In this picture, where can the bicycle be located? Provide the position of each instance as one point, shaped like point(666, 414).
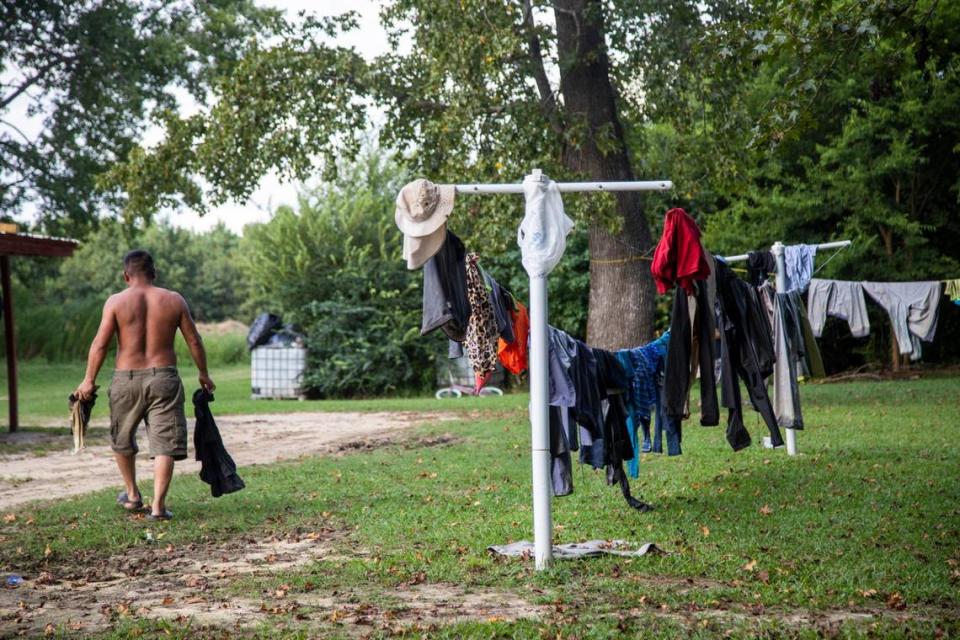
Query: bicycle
point(456, 390)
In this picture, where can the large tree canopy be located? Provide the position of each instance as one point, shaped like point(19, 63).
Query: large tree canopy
point(776, 120)
point(95, 74)
point(487, 91)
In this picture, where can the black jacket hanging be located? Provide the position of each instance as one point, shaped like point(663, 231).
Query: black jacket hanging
point(747, 352)
point(760, 264)
point(217, 467)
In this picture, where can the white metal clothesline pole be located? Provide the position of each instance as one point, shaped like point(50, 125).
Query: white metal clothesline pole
point(777, 251)
point(823, 245)
point(538, 364)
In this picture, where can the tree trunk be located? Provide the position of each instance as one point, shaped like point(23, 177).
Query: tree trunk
point(622, 294)
point(896, 360)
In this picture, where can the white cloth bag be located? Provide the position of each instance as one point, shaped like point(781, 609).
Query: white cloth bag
point(542, 235)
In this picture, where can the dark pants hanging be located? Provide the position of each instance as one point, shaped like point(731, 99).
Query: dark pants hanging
point(676, 384)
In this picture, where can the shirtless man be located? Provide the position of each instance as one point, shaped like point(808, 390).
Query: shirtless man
point(145, 384)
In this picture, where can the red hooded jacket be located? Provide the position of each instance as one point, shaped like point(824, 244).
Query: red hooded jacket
point(678, 258)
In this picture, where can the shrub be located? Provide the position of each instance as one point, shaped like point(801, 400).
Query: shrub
point(333, 267)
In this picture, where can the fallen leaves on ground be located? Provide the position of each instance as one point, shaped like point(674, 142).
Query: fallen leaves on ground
point(895, 601)
point(418, 578)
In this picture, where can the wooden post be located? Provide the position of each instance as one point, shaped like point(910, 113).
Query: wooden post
point(10, 340)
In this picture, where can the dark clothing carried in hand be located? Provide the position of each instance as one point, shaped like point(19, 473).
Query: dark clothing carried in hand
point(217, 467)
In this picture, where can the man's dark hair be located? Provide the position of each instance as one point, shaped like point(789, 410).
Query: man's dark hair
point(139, 262)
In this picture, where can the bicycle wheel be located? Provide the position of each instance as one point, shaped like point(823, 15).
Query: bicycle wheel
point(447, 392)
point(491, 391)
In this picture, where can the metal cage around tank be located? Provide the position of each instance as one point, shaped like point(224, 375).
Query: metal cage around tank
point(276, 372)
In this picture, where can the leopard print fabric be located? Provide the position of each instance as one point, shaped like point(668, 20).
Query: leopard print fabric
point(482, 335)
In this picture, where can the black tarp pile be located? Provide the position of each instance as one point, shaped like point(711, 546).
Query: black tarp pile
point(267, 329)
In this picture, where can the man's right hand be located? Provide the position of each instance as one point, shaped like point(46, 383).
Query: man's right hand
point(206, 383)
point(85, 390)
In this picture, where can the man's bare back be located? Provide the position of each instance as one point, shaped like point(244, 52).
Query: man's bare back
point(147, 318)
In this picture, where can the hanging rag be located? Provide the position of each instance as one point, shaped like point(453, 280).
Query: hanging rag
point(572, 388)
point(788, 345)
point(560, 363)
point(913, 308)
point(746, 350)
point(80, 411)
point(482, 334)
point(798, 264)
point(563, 440)
point(691, 350)
point(813, 361)
point(760, 264)
point(644, 368)
point(542, 235)
point(839, 299)
point(679, 258)
point(445, 302)
point(647, 364)
point(952, 291)
point(513, 355)
point(502, 304)
point(582, 372)
point(611, 443)
point(217, 468)
point(810, 363)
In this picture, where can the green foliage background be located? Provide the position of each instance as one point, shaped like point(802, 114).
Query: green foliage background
point(58, 302)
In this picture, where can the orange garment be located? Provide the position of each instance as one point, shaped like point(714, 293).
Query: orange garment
point(513, 355)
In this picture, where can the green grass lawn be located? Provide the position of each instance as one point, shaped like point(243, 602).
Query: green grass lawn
point(866, 518)
point(44, 388)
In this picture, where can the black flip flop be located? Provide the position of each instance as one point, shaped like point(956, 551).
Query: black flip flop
point(123, 500)
point(163, 517)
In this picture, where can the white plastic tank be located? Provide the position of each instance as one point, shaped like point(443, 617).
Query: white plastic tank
point(276, 372)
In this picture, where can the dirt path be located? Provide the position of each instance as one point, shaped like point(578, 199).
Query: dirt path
point(197, 584)
point(187, 583)
point(256, 439)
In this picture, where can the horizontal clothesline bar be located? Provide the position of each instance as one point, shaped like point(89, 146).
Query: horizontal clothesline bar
point(571, 187)
point(823, 245)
